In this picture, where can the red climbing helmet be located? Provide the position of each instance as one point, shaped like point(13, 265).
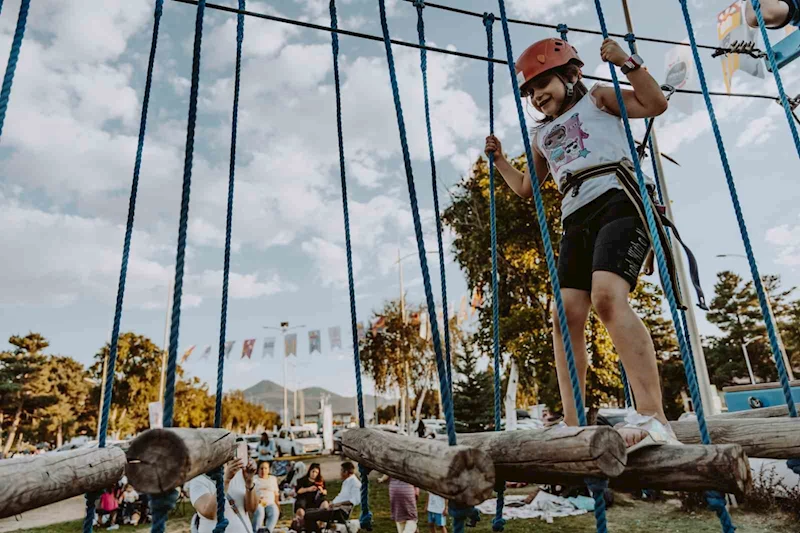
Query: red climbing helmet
point(543, 56)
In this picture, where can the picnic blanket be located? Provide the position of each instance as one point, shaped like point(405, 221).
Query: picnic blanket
point(544, 506)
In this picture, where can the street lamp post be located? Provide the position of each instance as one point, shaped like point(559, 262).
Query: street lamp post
point(781, 347)
point(747, 360)
point(283, 329)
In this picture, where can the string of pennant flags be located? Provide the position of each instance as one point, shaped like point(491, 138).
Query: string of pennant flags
point(466, 311)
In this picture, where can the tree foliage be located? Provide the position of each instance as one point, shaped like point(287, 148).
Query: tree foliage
point(473, 395)
point(51, 398)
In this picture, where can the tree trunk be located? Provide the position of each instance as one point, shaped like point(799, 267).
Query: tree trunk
point(60, 435)
point(12, 433)
point(420, 403)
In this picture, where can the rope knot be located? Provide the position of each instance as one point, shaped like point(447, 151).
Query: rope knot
point(161, 504)
point(794, 464)
point(221, 526)
point(630, 38)
point(419, 4)
point(488, 19)
point(464, 514)
point(498, 524)
point(562, 29)
point(365, 521)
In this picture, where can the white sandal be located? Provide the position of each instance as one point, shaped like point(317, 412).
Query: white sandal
point(657, 433)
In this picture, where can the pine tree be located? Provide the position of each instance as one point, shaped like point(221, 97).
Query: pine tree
point(473, 395)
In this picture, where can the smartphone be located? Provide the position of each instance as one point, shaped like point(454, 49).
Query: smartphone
point(242, 451)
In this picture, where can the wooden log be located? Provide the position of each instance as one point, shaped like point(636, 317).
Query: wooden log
point(765, 412)
point(547, 455)
point(457, 473)
point(689, 468)
point(30, 482)
point(771, 438)
point(160, 460)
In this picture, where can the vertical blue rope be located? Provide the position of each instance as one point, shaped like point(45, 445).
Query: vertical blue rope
point(423, 54)
point(712, 498)
point(594, 485)
point(126, 248)
point(488, 21)
point(447, 400)
point(160, 502)
point(218, 475)
point(444, 386)
point(787, 108)
point(623, 376)
point(366, 516)
point(13, 58)
point(1, 6)
point(540, 215)
point(762, 298)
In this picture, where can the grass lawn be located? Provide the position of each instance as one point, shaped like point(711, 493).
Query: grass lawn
point(625, 517)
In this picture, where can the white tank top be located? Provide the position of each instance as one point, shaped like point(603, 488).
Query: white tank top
point(584, 136)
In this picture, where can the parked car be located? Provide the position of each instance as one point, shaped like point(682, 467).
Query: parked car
point(297, 440)
point(337, 439)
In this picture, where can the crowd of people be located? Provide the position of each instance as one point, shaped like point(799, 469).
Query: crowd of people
point(253, 496)
point(121, 505)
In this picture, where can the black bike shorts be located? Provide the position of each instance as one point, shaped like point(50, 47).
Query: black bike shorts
point(604, 235)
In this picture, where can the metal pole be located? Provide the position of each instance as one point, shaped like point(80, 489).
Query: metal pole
point(749, 367)
point(167, 325)
point(703, 381)
point(284, 327)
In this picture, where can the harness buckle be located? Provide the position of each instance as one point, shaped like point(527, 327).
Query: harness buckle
point(572, 183)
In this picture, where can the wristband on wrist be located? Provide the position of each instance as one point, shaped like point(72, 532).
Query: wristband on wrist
point(634, 62)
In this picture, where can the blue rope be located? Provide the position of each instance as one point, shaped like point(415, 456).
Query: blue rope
point(662, 267)
point(366, 516)
point(218, 475)
point(126, 248)
point(13, 57)
point(423, 54)
point(488, 21)
point(600, 517)
point(88, 519)
point(540, 215)
point(787, 109)
point(563, 29)
point(598, 487)
point(1, 6)
point(444, 385)
point(762, 298)
point(160, 506)
point(623, 376)
point(162, 509)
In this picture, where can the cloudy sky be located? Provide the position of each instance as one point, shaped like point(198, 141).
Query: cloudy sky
point(69, 141)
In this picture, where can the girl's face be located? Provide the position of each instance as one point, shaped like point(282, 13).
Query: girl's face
point(263, 470)
point(546, 93)
point(313, 474)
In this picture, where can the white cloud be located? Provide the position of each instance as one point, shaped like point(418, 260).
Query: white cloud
point(330, 261)
point(787, 239)
point(547, 10)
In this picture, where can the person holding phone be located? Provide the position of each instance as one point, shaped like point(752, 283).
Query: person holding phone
point(241, 498)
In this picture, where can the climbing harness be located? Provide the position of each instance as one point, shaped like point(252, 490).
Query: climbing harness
point(626, 176)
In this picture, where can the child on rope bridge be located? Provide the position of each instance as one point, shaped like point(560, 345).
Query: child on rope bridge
point(604, 242)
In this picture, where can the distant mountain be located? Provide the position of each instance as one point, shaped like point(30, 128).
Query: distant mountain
point(270, 395)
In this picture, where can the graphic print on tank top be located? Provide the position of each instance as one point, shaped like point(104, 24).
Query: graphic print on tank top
point(564, 143)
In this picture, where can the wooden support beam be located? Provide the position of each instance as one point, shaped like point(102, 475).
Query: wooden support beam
point(689, 468)
point(765, 412)
point(160, 460)
point(459, 473)
point(30, 482)
point(547, 455)
point(770, 438)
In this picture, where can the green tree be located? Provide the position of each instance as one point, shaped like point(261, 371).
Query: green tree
point(524, 291)
point(473, 395)
point(393, 354)
point(65, 379)
point(735, 310)
point(21, 394)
